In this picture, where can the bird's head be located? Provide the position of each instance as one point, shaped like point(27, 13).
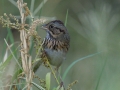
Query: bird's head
point(55, 29)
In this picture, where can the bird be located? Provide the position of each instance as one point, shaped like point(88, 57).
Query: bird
point(56, 43)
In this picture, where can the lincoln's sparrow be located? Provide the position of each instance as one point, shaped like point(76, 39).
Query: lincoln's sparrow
point(56, 43)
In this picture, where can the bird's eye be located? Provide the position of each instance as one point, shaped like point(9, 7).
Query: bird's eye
point(51, 27)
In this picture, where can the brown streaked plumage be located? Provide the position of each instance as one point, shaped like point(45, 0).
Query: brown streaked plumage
point(56, 43)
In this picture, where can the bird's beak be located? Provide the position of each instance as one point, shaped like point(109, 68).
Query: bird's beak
point(44, 27)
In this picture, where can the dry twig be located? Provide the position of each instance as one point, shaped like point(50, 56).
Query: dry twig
point(25, 57)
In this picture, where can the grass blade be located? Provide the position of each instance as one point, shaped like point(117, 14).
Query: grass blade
point(72, 64)
point(41, 10)
point(10, 36)
point(7, 61)
point(48, 81)
point(13, 55)
point(100, 75)
point(66, 18)
point(4, 48)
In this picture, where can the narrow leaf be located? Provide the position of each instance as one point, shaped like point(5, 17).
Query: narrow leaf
point(48, 81)
point(66, 18)
point(72, 64)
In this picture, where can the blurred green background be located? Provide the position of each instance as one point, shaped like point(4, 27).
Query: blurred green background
point(94, 26)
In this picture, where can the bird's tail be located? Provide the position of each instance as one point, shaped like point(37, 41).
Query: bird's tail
point(37, 65)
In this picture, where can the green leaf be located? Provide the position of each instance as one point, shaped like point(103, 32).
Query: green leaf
point(48, 80)
point(66, 18)
point(57, 88)
point(60, 88)
point(7, 61)
point(10, 35)
point(100, 75)
point(4, 47)
point(72, 64)
point(15, 77)
point(14, 55)
point(16, 74)
point(40, 13)
point(11, 38)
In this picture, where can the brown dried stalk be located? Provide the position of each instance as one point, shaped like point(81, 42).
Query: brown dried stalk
point(26, 59)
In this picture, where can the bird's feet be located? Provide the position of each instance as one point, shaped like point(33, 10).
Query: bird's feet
point(62, 87)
